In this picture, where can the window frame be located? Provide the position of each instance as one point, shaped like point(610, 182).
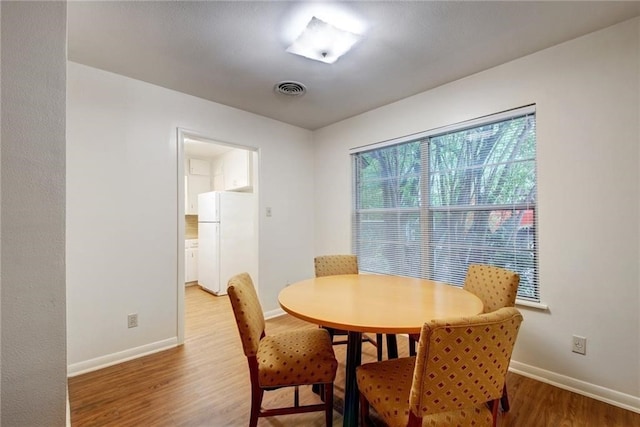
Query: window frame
point(425, 211)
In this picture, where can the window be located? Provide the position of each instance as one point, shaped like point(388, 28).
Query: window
point(431, 204)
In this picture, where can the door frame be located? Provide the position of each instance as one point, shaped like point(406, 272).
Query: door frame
point(183, 134)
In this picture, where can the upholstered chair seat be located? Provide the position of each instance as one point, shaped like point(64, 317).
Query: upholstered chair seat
point(456, 379)
point(295, 358)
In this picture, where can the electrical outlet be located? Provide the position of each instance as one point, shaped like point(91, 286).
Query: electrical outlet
point(132, 320)
point(579, 345)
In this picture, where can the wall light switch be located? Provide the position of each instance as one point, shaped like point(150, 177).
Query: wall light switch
point(579, 345)
point(132, 320)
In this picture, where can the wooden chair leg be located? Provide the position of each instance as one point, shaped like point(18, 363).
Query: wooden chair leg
point(414, 420)
point(364, 411)
point(494, 411)
point(319, 389)
point(256, 403)
point(504, 400)
point(379, 346)
point(328, 401)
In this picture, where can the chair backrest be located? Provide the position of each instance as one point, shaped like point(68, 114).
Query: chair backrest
point(462, 363)
point(331, 265)
point(495, 286)
point(248, 312)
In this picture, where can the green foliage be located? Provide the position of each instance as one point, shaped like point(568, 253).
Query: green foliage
point(480, 184)
point(389, 177)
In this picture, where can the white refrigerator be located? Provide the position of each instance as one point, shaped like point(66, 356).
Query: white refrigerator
point(227, 238)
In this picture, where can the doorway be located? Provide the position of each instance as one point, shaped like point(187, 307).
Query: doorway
point(207, 165)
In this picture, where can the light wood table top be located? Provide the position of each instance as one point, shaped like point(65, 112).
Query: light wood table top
point(376, 303)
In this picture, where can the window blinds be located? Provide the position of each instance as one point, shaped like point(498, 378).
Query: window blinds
point(431, 205)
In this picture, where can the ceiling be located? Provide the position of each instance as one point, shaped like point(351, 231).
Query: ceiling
point(233, 52)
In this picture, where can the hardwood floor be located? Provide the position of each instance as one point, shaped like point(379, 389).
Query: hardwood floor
point(206, 383)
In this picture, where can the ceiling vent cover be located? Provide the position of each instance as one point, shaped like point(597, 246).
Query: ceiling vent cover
point(290, 88)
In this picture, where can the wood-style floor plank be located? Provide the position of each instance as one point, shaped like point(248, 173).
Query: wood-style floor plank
point(206, 383)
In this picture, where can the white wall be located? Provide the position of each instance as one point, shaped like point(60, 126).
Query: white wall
point(122, 209)
point(33, 376)
point(587, 97)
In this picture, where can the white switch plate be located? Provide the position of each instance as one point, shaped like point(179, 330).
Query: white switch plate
point(579, 345)
point(132, 320)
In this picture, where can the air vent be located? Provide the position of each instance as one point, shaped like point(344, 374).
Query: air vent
point(290, 88)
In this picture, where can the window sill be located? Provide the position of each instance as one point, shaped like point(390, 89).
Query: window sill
point(531, 304)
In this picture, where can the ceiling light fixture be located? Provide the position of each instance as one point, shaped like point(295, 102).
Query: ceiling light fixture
point(323, 42)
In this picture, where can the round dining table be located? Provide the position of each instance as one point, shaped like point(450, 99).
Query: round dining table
point(373, 303)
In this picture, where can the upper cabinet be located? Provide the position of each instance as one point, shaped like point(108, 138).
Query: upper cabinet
point(199, 167)
point(197, 180)
point(196, 184)
point(237, 167)
point(231, 170)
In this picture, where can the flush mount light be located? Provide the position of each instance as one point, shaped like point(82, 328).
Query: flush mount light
point(323, 42)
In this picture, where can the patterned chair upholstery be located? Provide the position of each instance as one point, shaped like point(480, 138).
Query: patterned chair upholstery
point(333, 265)
point(497, 288)
point(460, 366)
point(286, 359)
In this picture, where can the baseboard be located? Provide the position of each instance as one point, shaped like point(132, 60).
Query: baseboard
point(622, 400)
point(122, 356)
point(274, 313)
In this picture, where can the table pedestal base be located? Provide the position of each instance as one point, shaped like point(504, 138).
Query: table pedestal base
point(351, 398)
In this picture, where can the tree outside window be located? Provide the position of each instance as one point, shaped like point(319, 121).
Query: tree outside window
point(431, 206)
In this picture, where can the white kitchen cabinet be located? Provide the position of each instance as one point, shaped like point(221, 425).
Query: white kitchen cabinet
point(217, 174)
point(237, 166)
point(199, 167)
point(191, 261)
point(196, 184)
point(191, 265)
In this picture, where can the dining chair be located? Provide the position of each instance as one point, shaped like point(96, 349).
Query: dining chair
point(286, 359)
point(496, 287)
point(456, 378)
point(332, 265)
